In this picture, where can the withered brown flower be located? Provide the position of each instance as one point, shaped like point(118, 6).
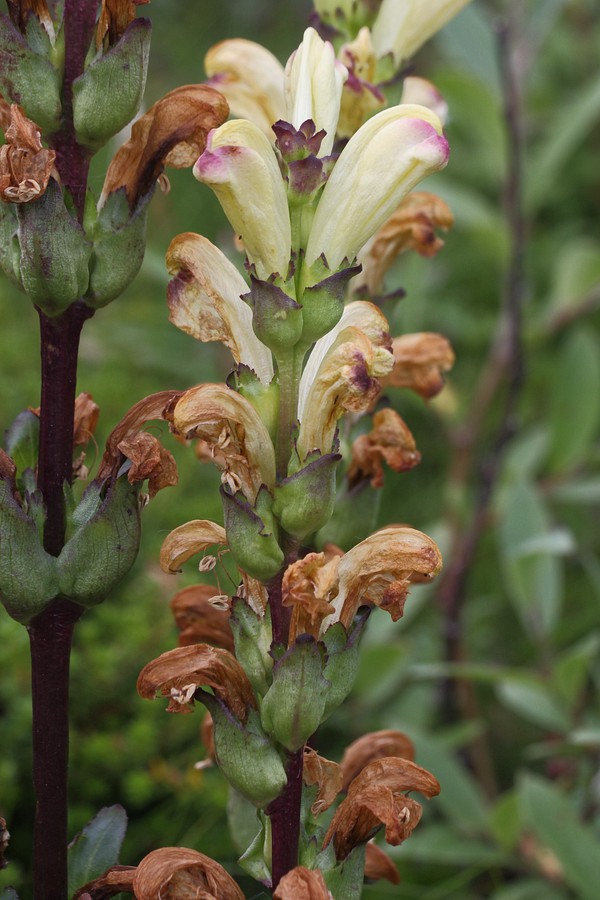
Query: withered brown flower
point(324, 773)
point(412, 227)
point(198, 620)
point(378, 865)
point(374, 745)
point(116, 880)
point(308, 587)
point(389, 440)
point(187, 540)
point(419, 363)
point(178, 673)
point(302, 884)
point(149, 460)
point(172, 133)
point(176, 873)
point(25, 165)
point(376, 797)
point(115, 16)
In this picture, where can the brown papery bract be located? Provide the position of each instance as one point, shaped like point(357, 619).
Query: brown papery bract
point(187, 540)
point(324, 773)
point(420, 361)
point(374, 745)
point(198, 620)
point(176, 873)
point(149, 460)
point(389, 440)
point(376, 797)
point(179, 673)
point(302, 884)
point(172, 133)
point(25, 166)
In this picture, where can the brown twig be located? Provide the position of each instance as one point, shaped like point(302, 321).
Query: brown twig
point(503, 371)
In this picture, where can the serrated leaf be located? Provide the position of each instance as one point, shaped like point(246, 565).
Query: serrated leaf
point(96, 848)
point(552, 818)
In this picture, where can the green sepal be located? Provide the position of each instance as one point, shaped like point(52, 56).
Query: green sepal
point(101, 110)
point(354, 517)
point(29, 78)
point(242, 819)
point(293, 706)
point(55, 252)
point(256, 859)
point(10, 252)
point(304, 501)
point(104, 545)
point(342, 654)
point(22, 440)
point(346, 879)
point(276, 317)
point(28, 575)
point(323, 302)
point(264, 398)
point(244, 753)
point(119, 244)
point(252, 533)
point(252, 635)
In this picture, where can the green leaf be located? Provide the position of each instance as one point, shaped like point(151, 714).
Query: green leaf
point(532, 573)
point(552, 818)
point(576, 275)
point(530, 889)
point(574, 400)
point(571, 671)
point(536, 703)
point(443, 845)
point(22, 440)
point(96, 848)
point(505, 820)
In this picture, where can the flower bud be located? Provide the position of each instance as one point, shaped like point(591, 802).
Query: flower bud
point(304, 501)
point(293, 707)
point(100, 111)
point(245, 755)
point(251, 533)
point(55, 252)
point(29, 78)
point(402, 26)
point(105, 543)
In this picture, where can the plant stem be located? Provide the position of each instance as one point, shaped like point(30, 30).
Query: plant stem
point(51, 633)
point(284, 813)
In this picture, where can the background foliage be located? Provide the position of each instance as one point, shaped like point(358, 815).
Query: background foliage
point(499, 690)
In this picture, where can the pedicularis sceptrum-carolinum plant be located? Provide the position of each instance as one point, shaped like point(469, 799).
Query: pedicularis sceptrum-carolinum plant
point(315, 178)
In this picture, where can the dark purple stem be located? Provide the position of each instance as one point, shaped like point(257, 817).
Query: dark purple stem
point(284, 813)
point(51, 633)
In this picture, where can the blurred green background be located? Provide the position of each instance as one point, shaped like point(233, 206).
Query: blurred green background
point(510, 724)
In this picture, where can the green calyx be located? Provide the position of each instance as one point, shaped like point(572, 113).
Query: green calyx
point(276, 317)
point(252, 635)
point(323, 300)
point(27, 77)
point(99, 110)
point(304, 501)
point(252, 533)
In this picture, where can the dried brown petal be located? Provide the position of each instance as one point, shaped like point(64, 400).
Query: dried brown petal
point(149, 460)
point(381, 569)
point(151, 407)
point(302, 884)
point(178, 673)
point(389, 440)
point(116, 880)
point(378, 865)
point(172, 133)
point(25, 166)
point(419, 363)
point(114, 18)
point(326, 774)
point(198, 621)
point(412, 227)
point(187, 540)
point(8, 468)
point(176, 873)
point(308, 587)
point(86, 419)
point(374, 745)
point(376, 798)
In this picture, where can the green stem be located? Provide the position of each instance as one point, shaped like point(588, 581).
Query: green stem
point(289, 368)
